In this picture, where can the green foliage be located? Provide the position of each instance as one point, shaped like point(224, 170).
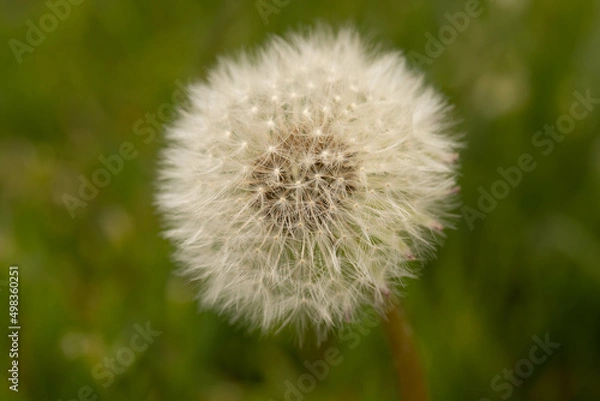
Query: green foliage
point(100, 79)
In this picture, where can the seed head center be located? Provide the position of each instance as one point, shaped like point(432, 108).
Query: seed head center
point(296, 183)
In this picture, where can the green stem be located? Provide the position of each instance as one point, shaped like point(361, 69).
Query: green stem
point(406, 358)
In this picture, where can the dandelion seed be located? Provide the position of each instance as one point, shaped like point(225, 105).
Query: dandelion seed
point(331, 206)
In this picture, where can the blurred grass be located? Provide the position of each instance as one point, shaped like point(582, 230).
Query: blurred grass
point(531, 267)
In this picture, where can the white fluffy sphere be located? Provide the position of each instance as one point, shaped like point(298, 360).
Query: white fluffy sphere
point(301, 180)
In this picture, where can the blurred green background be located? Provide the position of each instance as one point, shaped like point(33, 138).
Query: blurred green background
point(530, 268)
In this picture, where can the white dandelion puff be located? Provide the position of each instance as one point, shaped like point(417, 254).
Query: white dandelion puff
point(301, 180)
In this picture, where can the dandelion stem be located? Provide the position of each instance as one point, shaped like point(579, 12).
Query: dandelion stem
point(411, 379)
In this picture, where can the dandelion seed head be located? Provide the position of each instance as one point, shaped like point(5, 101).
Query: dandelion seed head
point(321, 196)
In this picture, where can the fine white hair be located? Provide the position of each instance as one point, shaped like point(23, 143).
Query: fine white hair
point(302, 179)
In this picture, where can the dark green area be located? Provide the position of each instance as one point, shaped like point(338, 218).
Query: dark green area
point(531, 267)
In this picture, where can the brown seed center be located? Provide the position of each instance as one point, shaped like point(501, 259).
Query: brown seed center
point(302, 180)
